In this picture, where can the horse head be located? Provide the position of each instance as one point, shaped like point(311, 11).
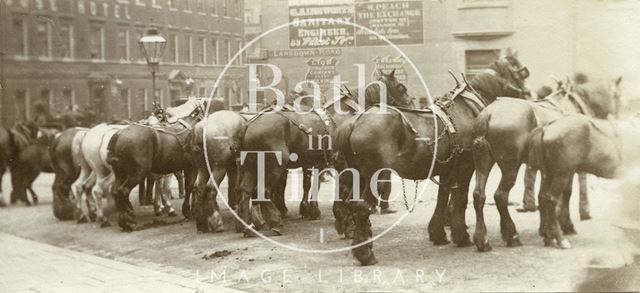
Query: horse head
point(514, 74)
point(396, 91)
point(603, 98)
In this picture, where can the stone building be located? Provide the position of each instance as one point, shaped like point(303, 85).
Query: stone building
point(61, 53)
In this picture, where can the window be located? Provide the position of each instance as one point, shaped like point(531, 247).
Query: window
point(224, 7)
point(141, 3)
point(214, 52)
point(478, 60)
point(239, 60)
point(142, 99)
point(123, 44)
point(173, 48)
point(202, 51)
point(20, 34)
point(96, 43)
point(154, 4)
point(125, 104)
point(213, 7)
point(203, 92)
point(67, 98)
point(227, 45)
point(200, 6)
point(172, 4)
point(43, 29)
point(22, 101)
point(236, 8)
point(187, 5)
point(139, 35)
point(188, 49)
point(45, 100)
point(66, 39)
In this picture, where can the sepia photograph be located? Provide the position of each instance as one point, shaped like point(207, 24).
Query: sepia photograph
point(319, 146)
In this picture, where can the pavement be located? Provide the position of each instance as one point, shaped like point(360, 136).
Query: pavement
point(29, 266)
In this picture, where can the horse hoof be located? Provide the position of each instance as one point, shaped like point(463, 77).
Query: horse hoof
point(386, 211)
point(82, 219)
point(585, 217)
point(569, 231)
point(93, 217)
point(371, 260)
point(440, 242)
point(157, 213)
point(172, 213)
point(564, 244)
point(105, 224)
point(464, 243)
point(514, 242)
point(484, 246)
point(548, 242)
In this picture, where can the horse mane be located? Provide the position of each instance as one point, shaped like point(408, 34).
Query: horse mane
point(598, 96)
point(488, 86)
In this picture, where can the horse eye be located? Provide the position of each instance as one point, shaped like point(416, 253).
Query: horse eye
point(401, 88)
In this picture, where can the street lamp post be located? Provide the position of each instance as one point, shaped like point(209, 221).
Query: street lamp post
point(152, 46)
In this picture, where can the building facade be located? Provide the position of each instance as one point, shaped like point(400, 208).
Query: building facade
point(553, 38)
point(61, 53)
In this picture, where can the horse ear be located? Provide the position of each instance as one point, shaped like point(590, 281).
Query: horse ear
point(618, 80)
point(381, 72)
point(393, 72)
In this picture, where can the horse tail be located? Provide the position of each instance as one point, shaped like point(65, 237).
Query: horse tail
point(343, 137)
point(534, 149)
point(111, 149)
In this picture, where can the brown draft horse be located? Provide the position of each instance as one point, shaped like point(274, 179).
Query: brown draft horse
point(138, 151)
point(571, 144)
point(287, 133)
point(66, 169)
point(29, 157)
point(500, 135)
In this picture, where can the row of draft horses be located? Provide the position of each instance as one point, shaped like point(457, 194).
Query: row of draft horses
point(475, 130)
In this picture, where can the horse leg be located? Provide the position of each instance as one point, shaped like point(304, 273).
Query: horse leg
point(213, 217)
point(463, 174)
point(190, 175)
point(384, 188)
point(437, 235)
point(77, 190)
point(557, 184)
point(148, 198)
point(277, 196)
point(507, 227)
point(180, 177)
point(584, 197)
point(34, 195)
point(361, 211)
point(232, 192)
point(142, 191)
point(309, 207)
point(166, 195)
point(483, 162)
point(344, 221)
point(122, 188)
point(99, 190)
point(157, 196)
point(565, 216)
point(528, 200)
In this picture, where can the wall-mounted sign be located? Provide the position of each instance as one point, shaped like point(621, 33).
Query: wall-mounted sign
point(305, 53)
point(315, 26)
point(400, 22)
point(388, 64)
point(322, 71)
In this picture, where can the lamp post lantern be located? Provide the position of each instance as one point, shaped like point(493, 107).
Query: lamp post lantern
point(152, 46)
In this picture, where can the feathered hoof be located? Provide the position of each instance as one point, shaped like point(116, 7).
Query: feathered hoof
point(514, 241)
point(571, 230)
point(484, 246)
point(564, 244)
point(105, 224)
point(585, 217)
point(367, 259)
point(439, 241)
point(83, 219)
point(172, 213)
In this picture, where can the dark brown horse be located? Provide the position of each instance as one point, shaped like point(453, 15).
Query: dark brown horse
point(500, 135)
point(404, 142)
point(22, 135)
point(138, 151)
point(291, 138)
point(29, 162)
point(66, 170)
point(571, 144)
